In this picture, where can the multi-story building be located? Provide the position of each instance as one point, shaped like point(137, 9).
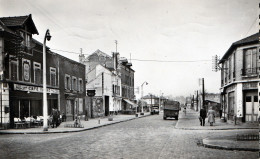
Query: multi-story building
point(119, 80)
point(240, 77)
point(22, 77)
point(107, 85)
point(127, 82)
point(103, 76)
point(151, 101)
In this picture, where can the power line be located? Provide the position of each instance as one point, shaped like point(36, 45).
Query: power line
point(71, 52)
point(251, 25)
point(143, 60)
point(171, 61)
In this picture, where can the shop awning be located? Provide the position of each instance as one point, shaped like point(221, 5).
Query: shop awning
point(131, 103)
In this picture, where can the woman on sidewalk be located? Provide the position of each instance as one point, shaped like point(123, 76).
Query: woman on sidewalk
point(211, 116)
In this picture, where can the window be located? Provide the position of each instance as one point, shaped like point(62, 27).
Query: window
point(80, 85)
point(250, 61)
point(74, 83)
point(26, 64)
point(229, 67)
point(13, 73)
point(22, 35)
point(37, 73)
point(67, 82)
point(26, 39)
point(52, 76)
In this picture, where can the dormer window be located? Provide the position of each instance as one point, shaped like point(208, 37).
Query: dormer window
point(26, 39)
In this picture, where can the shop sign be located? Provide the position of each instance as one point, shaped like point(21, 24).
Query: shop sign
point(251, 85)
point(91, 93)
point(26, 73)
point(25, 88)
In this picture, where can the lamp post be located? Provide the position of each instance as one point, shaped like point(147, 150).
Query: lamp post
point(45, 108)
point(142, 112)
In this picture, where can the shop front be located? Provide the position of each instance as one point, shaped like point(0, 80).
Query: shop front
point(26, 101)
point(74, 106)
point(251, 104)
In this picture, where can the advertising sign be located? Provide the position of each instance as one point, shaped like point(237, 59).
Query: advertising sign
point(26, 71)
point(20, 87)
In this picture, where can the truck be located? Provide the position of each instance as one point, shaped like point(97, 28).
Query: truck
point(155, 109)
point(171, 109)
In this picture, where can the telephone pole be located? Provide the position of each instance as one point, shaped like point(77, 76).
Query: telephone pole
point(203, 94)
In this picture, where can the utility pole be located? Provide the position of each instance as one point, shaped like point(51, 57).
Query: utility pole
point(116, 45)
point(197, 99)
point(193, 101)
point(203, 94)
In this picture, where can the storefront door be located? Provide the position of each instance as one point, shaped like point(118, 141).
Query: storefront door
point(251, 103)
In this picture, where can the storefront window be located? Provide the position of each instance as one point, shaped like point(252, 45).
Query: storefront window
point(231, 103)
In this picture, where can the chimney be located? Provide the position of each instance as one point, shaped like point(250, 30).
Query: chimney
point(115, 60)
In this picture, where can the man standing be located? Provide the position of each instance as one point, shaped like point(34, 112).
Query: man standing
point(203, 115)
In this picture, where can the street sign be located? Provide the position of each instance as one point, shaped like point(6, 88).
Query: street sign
point(91, 93)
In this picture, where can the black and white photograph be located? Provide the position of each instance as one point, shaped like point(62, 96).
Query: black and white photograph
point(129, 79)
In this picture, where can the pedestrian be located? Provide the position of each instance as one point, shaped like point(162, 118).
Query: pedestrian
point(203, 115)
point(184, 111)
point(220, 113)
point(63, 117)
point(211, 116)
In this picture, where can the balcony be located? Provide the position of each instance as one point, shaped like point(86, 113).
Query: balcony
point(249, 72)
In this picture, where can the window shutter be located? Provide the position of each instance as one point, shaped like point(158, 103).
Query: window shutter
point(65, 81)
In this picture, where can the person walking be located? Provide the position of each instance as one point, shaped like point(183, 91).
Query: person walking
point(211, 116)
point(203, 114)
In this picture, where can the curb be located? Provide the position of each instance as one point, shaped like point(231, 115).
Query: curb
point(228, 148)
point(213, 128)
point(72, 131)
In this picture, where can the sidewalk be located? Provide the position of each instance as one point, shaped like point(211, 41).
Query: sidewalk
point(190, 121)
point(88, 125)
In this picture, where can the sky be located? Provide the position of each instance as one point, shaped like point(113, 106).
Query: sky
point(170, 42)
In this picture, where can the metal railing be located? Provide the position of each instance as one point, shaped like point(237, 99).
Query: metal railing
point(249, 71)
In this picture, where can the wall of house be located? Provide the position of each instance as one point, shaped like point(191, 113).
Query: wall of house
point(75, 97)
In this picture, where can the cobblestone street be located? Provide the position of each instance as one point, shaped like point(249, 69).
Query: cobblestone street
point(149, 137)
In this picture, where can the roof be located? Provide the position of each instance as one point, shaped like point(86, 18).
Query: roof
point(100, 53)
point(19, 21)
point(150, 96)
point(252, 39)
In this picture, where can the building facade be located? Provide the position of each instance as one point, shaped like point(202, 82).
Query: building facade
point(103, 75)
point(22, 75)
point(107, 85)
point(127, 82)
point(240, 77)
point(151, 101)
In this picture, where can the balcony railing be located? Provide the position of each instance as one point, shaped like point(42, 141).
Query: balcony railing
point(249, 71)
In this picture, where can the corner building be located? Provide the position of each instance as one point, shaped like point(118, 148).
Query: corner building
point(240, 80)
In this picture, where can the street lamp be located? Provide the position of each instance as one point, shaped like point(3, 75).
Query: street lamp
point(142, 112)
point(45, 108)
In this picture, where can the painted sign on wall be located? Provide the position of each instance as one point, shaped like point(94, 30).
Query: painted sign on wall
point(20, 87)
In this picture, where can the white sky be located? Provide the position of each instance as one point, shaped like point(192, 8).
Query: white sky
point(173, 30)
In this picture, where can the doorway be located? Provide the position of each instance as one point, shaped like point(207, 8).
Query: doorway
point(251, 106)
point(106, 105)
